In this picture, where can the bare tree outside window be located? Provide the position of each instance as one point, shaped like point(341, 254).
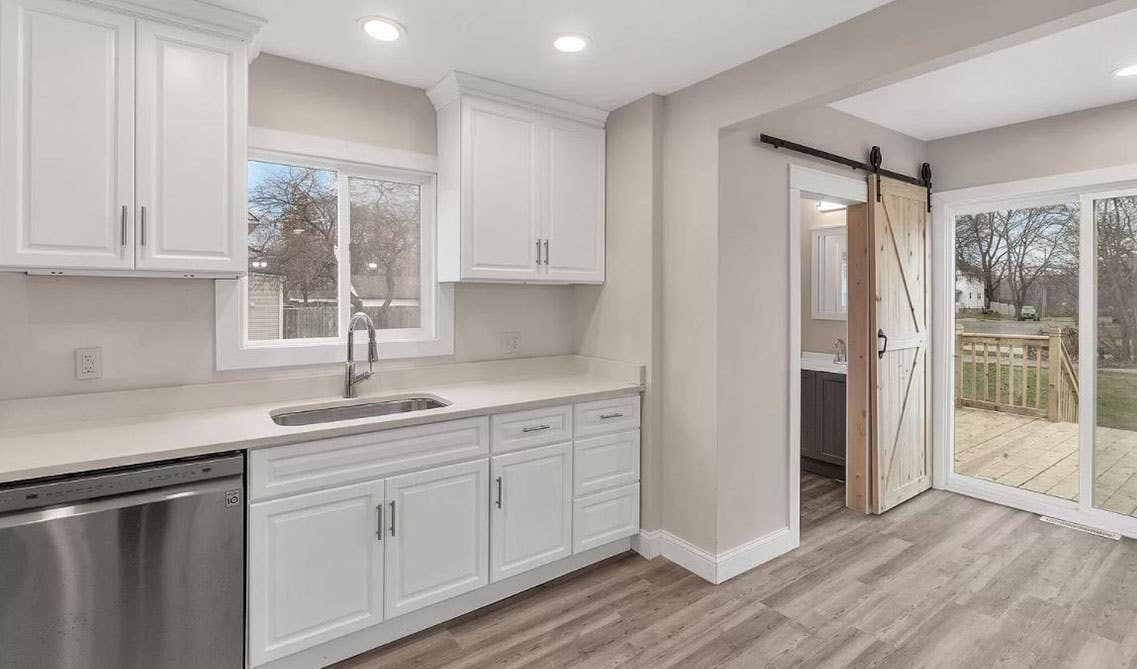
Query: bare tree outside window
point(385, 252)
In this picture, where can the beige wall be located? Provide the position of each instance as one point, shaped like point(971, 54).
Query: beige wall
point(620, 319)
point(817, 335)
point(159, 332)
point(1085, 140)
point(724, 358)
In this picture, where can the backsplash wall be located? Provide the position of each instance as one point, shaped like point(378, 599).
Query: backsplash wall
point(160, 332)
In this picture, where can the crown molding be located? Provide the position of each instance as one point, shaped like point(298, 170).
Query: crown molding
point(195, 14)
point(460, 84)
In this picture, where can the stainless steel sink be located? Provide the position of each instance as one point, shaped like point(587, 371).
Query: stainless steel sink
point(328, 413)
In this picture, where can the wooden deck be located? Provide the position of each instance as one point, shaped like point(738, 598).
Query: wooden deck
point(1035, 454)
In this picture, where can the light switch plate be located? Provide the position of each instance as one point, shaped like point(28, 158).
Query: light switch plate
point(510, 342)
point(88, 363)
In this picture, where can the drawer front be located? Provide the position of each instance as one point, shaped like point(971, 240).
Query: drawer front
point(536, 427)
point(609, 461)
point(605, 517)
point(617, 414)
point(286, 470)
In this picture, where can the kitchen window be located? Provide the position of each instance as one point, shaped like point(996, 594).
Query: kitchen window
point(328, 237)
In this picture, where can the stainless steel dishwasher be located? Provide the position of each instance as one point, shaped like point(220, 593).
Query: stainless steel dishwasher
point(138, 568)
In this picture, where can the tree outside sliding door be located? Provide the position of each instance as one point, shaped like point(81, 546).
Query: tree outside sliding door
point(1016, 381)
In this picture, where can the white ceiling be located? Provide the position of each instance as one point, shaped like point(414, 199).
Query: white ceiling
point(1060, 73)
point(638, 46)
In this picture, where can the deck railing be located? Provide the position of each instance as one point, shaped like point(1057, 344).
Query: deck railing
point(1031, 375)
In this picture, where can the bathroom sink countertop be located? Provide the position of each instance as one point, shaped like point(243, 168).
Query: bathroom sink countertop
point(63, 448)
point(822, 362)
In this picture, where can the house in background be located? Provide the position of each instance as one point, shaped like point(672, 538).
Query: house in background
point(968, 291)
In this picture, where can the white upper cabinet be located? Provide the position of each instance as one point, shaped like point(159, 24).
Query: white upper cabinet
point(122, 137)
point(66, 135)
point(520, 185)
point(191, 151)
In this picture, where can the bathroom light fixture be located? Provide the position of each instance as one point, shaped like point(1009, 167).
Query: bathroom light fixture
point(570, 43)
point(824, 206)
point(1127, 71)
point(382, 29)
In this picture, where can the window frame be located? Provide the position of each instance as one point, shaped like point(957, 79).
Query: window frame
point(349, 160)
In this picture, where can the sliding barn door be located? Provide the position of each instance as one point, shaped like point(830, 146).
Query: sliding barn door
point(899, 378)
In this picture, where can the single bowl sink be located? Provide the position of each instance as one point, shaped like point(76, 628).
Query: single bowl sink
point(349, 410)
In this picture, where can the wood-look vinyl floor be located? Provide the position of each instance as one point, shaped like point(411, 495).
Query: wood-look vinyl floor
point(943, 580)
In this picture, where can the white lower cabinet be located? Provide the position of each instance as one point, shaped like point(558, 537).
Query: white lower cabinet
point(316, 568)
point(437, 544)
point(531, 515)
point(605, 516)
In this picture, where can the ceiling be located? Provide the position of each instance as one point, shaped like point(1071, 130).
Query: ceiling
point(1060, 73)
point(638, 46)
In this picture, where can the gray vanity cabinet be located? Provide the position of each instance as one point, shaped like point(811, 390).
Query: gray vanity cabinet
point(823, 423)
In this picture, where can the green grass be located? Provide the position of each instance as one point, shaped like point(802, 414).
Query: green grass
point(1117, 393)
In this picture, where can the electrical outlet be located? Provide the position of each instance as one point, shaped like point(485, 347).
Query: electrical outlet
point(510, 343)
point(89, 363)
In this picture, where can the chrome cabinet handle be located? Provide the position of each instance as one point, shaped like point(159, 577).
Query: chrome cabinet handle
point(392, 517)
point(499, 492)
point(142, 226)
point(538, 252)
point(546, 253)
point(535, 428)
point(124, 210)
point(611, 415)
point(379, 528)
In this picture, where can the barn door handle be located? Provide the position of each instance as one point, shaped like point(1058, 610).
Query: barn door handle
point(884, 344)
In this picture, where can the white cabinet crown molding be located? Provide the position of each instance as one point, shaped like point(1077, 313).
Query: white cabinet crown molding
point(457, 84)
point(203, 16)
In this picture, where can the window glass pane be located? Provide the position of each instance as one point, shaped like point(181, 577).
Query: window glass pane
point(1115, 436)
point(1016, 348)
point(292, 252)
point(385, 253)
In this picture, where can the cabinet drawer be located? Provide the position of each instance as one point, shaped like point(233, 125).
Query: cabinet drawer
point(536, 427)
point(616, 414)
point(286, 470)
point(609, 461)
point(605, 517)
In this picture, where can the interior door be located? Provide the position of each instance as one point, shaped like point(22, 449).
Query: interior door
point(437, 535)
point(316, 568)
point(531, 515)
point(66, 136)
point(191, 151)
point(574, 202)
point(899, 258)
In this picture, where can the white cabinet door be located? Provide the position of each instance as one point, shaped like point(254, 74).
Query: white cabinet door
point(531, 517)
point(574, 202)
point(66, 136)
point(315, 568)
point(191, 151)
point(605, 517)
point(501, 223)
point(437, 541)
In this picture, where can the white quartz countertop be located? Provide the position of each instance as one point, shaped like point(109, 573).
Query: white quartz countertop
point(59, 448)
point(822, 362)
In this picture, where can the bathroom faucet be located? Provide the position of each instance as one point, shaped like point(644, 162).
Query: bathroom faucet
point(372, 353)
point(841, 352)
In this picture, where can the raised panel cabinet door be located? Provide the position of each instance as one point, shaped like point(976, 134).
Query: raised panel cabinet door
point(66, 136)
point(191, 151)
point(574, 202)
point(437, 535)
point(315, 568)
point(531, 512)
point(809, 447)
point(831, 418)
point(500, 226)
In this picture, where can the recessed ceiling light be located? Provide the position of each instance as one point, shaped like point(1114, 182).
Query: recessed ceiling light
point(382, 29)
point(571, 43)
point(1127, 71)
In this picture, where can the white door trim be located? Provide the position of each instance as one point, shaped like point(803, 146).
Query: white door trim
point(805, 182)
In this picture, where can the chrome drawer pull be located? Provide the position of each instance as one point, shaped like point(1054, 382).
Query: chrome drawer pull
point(611, 415)
point(535, 428)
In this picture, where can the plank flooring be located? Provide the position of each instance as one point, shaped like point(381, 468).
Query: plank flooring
point(1035, 454)
point(941, 581)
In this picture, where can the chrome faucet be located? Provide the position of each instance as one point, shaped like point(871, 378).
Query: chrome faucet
point(840, 352)
point(372, 353)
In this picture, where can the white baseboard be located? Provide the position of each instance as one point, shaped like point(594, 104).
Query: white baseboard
point(730, 563)
point(646, 543)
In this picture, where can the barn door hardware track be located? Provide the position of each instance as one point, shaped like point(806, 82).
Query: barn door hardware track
point(873, 167)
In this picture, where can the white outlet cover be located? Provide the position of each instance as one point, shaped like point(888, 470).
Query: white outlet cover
point(510, 342)
point(88, 363)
